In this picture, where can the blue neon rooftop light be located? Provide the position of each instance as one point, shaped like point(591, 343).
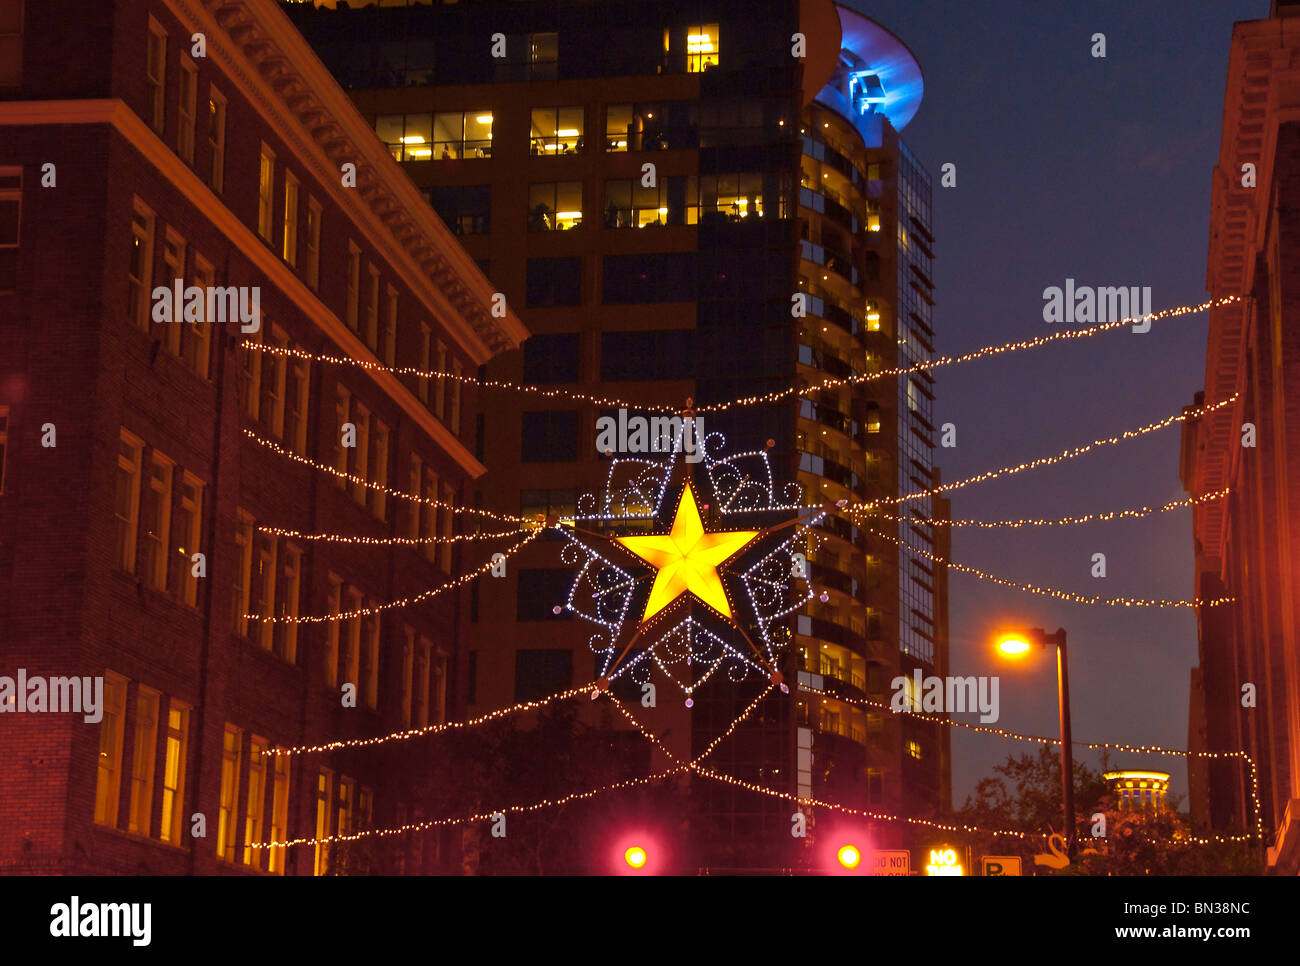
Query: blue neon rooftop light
point(884, 76)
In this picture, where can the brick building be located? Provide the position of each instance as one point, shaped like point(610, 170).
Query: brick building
point(144, 141)
point(774, 175)
point(1246, 544)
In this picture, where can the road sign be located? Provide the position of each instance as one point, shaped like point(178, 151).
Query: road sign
point(890, 862)
point(1000, 865)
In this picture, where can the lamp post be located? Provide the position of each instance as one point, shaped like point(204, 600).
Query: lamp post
point(1017, 644)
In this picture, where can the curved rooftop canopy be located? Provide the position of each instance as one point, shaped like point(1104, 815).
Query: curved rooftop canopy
point(877, 73)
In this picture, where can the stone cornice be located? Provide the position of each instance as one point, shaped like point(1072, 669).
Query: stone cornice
point(261, 51)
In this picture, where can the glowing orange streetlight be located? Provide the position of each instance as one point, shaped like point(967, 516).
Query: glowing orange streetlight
point(1017, 644)
point(849, 856)
point(635, 857)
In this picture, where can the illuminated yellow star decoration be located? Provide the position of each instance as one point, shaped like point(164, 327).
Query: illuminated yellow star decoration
point(687, 559)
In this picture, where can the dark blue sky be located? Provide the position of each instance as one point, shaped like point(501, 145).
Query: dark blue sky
point(1099, 170)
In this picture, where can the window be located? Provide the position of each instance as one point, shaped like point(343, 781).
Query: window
point(347, 791)
point(429, 518)
point(284, 634)
point(254, 821)
point(155, 513)
point(274, 372)
point(261, 588)
point(653, 354)
point(188, 536)
point(462, 134)
point(873, 418)
point(216, 138)
point(914, 749)
point(388, 327)
point(540, 590)
point(551, 358)
point(465, 209)
point(361, 452)
point(649, 278)
point(108, 780)
point(354, 285)
point(549, 436)
point(446, 526)
point(350, 658)
point(4, 444)
point(455, 386)
point(368, 671)
point(330, 657)
point(537, 505)
point(279, 811)
point(126, 500)
point(173, 803)
point(413, 504)
point(543, 56)
point(372, 307)
point(196, 337)
point(289, 240)
point(425, 363)
point(11, 43)
point(312, 267)
point(156, 73)
point(542, 672)
point(296, 404)
point(630, 205)
point(324, 801)
point(11, 203)
point(554, 206)
point(243, 572)
point(265, 191)
point(729, 198)
point(228, 804)
point(440, 393)
point(342, 415)
point(701, 47)
point(408, 137)
point(250, 382)
point(173, 271)
point(408, 672)
point(140, 268)
point(553, 282)
point(187, 109)
point(556, 131)
point(651, 126)
point(376, 471)
point(144, 761)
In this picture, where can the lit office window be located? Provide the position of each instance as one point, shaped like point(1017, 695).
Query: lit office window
point(462, 134)
point(701, 47)
point(289, 242)
point(628, 204)
point(254, 821)
point(279, 812)
point(554, 206)
point(324, 801)
point(556, 130)
point(408, 137)
point(173, 803)
point(227, 805)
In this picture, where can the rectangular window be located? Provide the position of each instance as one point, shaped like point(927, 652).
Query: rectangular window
point(447, 524)
point(554, 206)
point(464, 209)
point(216, 138)
point(553, 282)
point(628, 204)
point(155, 517)
point(187, 109)
point(549, 436)
point(377, 470)
point(342, 415)
point(254, 822)
point(361, 452)
point(556, 131)
point(196, 337)
point(156, 73)
point(543, 56)
point(140, 268)
point(454, 389)
point(701, 47)
point(429, 520)
point(346, 803)
point(372, 308)
point(178, 742)
point(265, 192)
point(228, 804)
point(540, 589)
point(542, 672)
point(330, 658)
point(108, 781)
point(426, 349)
point(11, 43)
point(408, 137)
point(422, 684)
point(126, 500)
point(289, 239)
point(413, 504)
point(324, 803)
point(261, 588)
point(440, 391)
point(279, 812)
point(188, 537)
point(312, 267)
point(243, 572)
point(284, 635)
point(275, 373)
point(408, 672)
point(350, 659)
point(173, 270)
point(354, 285)
point(551, 358)
point(250, 382)
point(462, 134)
point(144, 761)
point(649, 278)
point(11, 205)
point(644, 355)
point(368, 673)
point(388, 330)
point(296, 404)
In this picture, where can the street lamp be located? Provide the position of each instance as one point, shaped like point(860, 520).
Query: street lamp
point(1018, 644)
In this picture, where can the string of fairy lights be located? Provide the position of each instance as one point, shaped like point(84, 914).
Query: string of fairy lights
point(373, 365)
point(1257, 811)
point(1066, 521)
point(1189, 413)
point(300, 536)
point(1053, 592)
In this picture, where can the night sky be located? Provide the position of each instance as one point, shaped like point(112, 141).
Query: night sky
point(1099, 170)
